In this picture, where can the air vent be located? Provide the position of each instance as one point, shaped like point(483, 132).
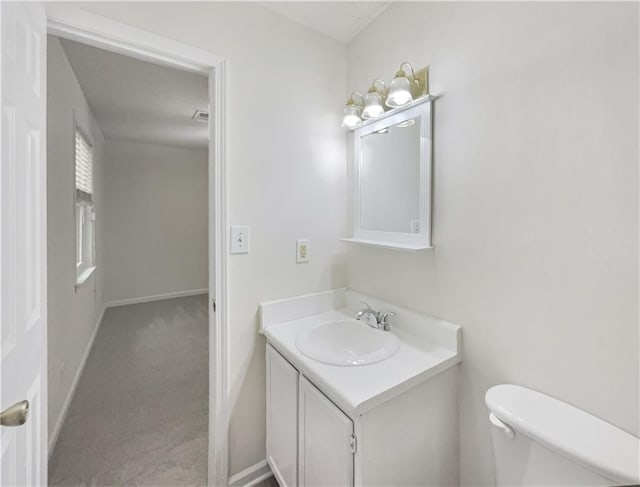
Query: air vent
point(200, 116)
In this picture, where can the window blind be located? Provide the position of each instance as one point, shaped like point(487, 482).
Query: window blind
point(84, 169)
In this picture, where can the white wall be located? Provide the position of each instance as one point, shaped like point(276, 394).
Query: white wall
point(156, 220)
point(73, 314)
point(536, 199)
point(287, 170)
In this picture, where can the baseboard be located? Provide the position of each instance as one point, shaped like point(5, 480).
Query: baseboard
point(156, 297)
point(67, 402)
point(251, 476)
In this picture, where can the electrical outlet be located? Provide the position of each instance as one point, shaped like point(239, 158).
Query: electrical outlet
point(415, 226)
point(302, 251)
point(239, 239)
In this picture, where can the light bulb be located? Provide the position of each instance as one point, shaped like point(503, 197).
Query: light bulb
point(372, 105)
point(351, 116)
point(399, 91)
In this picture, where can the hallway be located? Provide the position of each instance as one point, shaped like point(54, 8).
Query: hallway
point(139, 414)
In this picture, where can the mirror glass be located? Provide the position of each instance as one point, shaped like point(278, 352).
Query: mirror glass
point(390, 178)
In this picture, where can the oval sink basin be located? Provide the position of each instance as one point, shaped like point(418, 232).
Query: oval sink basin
point(347, 343)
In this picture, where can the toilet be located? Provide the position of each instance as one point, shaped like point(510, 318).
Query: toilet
point(541, 441)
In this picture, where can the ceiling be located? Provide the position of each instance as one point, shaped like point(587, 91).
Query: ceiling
point(339, 20)
point(137, 100)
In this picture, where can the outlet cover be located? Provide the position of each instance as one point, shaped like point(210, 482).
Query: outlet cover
point(302, 251)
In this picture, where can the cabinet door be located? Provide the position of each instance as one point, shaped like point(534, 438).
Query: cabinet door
point(325, 439)
point(282, 418)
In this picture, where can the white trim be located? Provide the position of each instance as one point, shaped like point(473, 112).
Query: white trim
point(251, 476)
point(257, 480)
point(218, 281)
point(155, 297)
point(67, 402)
point(72, 23)
point(82, 278)
point(274, 467)
point(388, 245)
point(393, 111)
point(88, 28)
point(423, 109)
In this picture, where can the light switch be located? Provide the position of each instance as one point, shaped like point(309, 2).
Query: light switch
point(302, 251)
point(239, 239)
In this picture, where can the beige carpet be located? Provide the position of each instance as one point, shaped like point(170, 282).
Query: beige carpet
point(139, 415)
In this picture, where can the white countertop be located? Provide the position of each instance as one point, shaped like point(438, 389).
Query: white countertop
point(427, 347)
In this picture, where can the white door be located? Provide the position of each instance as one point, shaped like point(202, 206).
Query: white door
point(282, 418)
point(23, 240)
point(325, 441)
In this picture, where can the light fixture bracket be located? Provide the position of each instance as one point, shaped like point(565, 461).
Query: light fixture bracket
point(351, 101)
point(419, 83)
point(384, 91)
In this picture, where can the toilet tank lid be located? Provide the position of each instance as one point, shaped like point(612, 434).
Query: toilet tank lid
point(568, 430)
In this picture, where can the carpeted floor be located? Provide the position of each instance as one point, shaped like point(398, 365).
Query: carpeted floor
point(270, 482)
point(139, 414)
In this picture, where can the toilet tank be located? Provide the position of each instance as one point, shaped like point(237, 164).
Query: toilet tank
point(538, 440)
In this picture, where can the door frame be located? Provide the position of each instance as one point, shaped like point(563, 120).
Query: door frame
point(88, 28)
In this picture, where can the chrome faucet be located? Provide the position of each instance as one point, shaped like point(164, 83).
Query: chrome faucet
point(374, 318)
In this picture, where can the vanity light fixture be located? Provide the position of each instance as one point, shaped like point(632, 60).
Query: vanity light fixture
point(373, 102)
point(352, 111)
point(403, 88)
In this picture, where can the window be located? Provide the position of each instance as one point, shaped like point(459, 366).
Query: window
point(84, 209)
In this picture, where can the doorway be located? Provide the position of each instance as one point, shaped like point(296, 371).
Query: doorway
point(24, 450)
point(127, 386)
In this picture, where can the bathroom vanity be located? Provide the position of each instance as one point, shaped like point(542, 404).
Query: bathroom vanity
point(387, 415)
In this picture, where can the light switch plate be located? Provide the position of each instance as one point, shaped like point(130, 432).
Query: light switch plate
point(302, 251)
point(239, 239)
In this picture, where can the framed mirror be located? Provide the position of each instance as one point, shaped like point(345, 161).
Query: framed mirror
point(392, 186)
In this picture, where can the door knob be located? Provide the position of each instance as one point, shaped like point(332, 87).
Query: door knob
point(15, 415)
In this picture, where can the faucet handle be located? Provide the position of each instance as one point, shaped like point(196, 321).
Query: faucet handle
point(384, 319)
point(366, 305)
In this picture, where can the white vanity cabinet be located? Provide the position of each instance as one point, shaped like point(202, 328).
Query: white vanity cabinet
point(282, 418)
point(389, 423)
point(408, 440)
point(325, 439)
point(309, 440)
